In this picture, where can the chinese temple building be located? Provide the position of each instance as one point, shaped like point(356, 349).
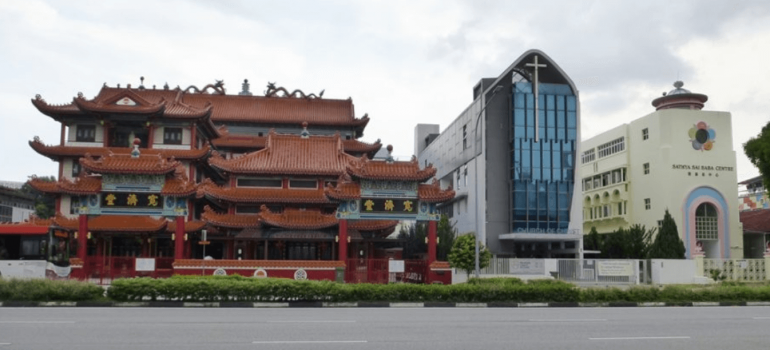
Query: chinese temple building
point(189, 181)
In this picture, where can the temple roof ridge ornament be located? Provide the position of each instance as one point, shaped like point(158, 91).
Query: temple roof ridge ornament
point(273, 91)
point(218, 88)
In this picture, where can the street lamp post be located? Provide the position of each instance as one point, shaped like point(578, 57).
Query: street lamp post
point(478, 144)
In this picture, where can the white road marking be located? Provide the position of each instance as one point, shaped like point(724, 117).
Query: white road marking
point(321, 321)
point(308, 341)
point(571, 320)
point(638, 338)
point(36, 322)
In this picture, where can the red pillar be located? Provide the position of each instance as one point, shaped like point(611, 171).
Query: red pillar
point(179, 238)
point(431, 242)
point(343, 236)
point(82, 236)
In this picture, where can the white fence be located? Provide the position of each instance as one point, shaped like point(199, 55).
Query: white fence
point(626, 272)
point(741, 270)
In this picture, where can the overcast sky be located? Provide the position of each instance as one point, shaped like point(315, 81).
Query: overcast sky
point(402, 62)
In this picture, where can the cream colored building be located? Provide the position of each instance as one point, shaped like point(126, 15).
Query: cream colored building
point(679, 158)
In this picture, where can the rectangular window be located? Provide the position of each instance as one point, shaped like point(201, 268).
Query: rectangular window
point(588, 156)
point(612, 147)
point(259, 183)
point(645, 134)
point(85, 133)
point(606, 211)
point(646, 168)
point(75, 204)
point(172, 136)
point(75, 168)
point(620, 208)
point(295, 183)
point(465, 136)
point(647, 205)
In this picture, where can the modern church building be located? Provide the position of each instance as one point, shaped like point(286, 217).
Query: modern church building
point(514, 169)
point(679, 158)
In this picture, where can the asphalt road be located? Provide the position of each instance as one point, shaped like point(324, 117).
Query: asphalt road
point(678, 328)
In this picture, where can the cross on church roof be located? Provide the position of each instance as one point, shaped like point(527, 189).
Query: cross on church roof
point(535, 65)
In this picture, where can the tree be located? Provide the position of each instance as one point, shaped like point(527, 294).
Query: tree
point(45, 205)
point(637, 241)
point(414, 236)
point(446, 233)
point(614, 246)
point(667, 244)
point(592, 240)
point(757, 149)
point(463, 254)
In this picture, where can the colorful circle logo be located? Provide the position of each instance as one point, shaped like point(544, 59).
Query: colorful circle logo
point(702, 137)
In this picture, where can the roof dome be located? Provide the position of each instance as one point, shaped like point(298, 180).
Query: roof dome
point(679, 90)
point(680, 98)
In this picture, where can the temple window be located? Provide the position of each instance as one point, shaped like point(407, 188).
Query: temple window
point(85, 133)
point(75, 168)
point(296, 183)
point(172, 136)
point(706, 222)
point(276, 183)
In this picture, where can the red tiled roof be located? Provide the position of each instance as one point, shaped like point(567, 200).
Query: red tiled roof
point(229, 220)
point(290, 155)
point(344, 190)
point(54, 152)
point(81, 185)
point(298, 219)
point(240, 141)
point(253, 142)
point(189, 226)
point(175, 186)
point(262, 195)
point(114, 223)
point(125, 164)
point(439, 265)
point(756, 221)
point(372, 225)
point(223, 108)
point(44, 186)
point(383, 170)
point(142, 106)
point(179, 187)
point(355, 146)
point(433, 193)
point(33, 226)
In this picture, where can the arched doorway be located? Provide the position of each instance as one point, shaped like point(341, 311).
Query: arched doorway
point(707, 229)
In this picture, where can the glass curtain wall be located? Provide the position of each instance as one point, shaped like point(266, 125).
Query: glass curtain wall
point(542, 170)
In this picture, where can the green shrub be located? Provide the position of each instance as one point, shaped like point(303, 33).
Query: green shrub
point(48, 290)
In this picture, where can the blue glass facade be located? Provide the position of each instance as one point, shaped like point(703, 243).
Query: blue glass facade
point(542, 170)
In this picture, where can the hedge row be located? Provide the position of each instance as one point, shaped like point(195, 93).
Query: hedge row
point(678, 294)
point(237, 288)
point(48, 290)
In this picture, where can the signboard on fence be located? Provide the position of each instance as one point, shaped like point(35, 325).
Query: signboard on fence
point(527, 267)
point(615, 268)
point(145, 264)
point(396, 266)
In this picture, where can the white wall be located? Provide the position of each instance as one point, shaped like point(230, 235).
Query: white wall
point(672, 271)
